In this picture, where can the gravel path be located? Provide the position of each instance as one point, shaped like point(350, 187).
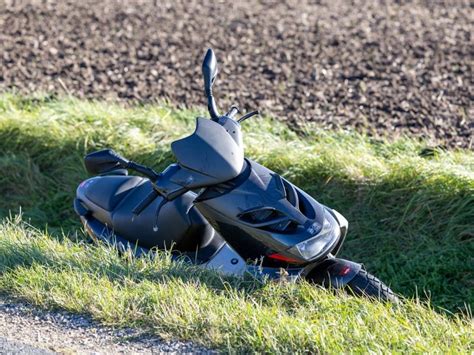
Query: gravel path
point(382, 67)
point(13, 347)
point(26, 330)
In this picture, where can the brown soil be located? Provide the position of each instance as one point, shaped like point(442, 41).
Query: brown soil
point(386, 68)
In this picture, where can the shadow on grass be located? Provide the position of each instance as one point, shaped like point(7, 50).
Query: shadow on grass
point(119, 269)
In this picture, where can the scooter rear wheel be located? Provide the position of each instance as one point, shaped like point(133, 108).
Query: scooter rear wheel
point(365, 284)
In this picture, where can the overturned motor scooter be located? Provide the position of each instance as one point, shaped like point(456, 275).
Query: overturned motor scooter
point(224, 211)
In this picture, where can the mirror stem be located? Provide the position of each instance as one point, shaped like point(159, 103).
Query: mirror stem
point(211, 106)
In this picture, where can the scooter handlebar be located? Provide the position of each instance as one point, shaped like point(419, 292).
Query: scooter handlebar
point(148, 172)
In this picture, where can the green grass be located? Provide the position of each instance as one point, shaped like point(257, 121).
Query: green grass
point(178, 301)
point(411, 221)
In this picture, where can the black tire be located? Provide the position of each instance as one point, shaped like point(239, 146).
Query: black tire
point(365, 284)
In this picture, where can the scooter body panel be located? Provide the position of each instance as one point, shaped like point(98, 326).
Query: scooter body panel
point(211, 151)
point(287, 214)
point(179, 224)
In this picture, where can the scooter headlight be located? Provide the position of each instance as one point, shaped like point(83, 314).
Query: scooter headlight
point(317, 245)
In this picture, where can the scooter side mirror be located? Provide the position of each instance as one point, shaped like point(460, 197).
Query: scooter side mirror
point(104, 161)
point(209, 71)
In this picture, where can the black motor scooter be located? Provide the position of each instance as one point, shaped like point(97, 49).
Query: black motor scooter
point(224, 211)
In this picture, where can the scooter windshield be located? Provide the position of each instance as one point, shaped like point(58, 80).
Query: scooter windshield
point(211, 151)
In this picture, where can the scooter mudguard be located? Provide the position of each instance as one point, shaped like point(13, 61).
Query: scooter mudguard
point(333, 272)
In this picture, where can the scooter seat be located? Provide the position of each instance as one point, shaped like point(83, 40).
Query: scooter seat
point(108, 192)
point(106, 203)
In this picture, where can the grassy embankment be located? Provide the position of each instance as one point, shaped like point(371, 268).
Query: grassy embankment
point(411, 223)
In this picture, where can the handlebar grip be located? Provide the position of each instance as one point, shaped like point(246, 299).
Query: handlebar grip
point(233, 111)
point(145, 202)
point(148, 172)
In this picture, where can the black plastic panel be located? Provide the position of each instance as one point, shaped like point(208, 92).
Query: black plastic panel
point(211, 151)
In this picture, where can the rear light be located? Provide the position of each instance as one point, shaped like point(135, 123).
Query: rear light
point(344, 271)
point(280, 257)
